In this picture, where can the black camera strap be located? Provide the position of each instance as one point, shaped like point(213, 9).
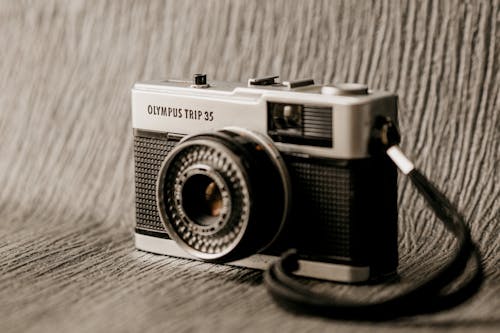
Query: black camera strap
point(429, 295)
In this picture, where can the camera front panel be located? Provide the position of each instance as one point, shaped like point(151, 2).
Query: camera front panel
point(343, 211)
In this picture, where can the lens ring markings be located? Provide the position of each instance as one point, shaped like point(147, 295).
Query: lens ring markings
point(192, 202)
point(251, 173)
point(199, 159)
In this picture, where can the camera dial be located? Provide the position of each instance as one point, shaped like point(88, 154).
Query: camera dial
point(345, 89)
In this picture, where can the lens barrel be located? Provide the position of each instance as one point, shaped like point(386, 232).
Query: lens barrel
point(225, 195)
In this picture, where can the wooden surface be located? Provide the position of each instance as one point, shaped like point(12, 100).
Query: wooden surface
point(67, 260)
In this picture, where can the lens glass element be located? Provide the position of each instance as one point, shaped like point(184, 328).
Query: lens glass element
point(205, 197)
point(202, 199)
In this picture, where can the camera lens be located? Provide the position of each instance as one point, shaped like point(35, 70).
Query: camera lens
point(223, 196)
point(202, 199)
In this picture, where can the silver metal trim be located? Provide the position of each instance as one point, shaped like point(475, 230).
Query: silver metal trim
point(202, 86)
point(312, 269)
point(233, 104)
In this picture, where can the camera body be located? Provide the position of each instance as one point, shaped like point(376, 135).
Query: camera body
point(239, 173)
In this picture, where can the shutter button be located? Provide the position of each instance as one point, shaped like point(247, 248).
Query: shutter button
point(200, 81)
point(345, 89)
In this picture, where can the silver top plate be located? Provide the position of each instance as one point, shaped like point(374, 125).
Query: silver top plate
point(175, 106)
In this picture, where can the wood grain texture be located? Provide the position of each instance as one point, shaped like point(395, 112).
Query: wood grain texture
point(67, 259)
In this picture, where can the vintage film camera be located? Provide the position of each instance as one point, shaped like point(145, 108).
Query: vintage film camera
point(235, 173)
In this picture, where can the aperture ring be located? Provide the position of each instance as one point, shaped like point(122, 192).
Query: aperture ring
point(212, 241)
point(255, 179)
point(201, 169)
